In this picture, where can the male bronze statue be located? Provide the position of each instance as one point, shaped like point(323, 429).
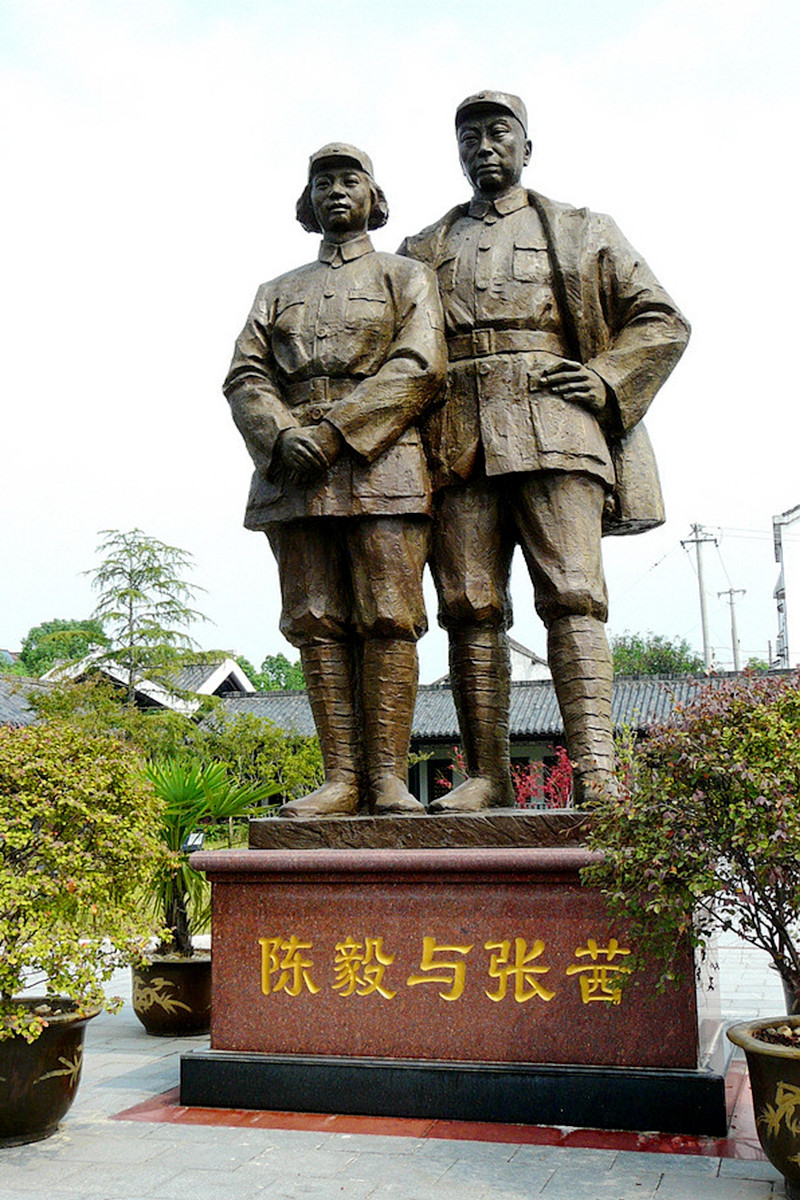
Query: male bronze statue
point(558, 338)
point(334, 368)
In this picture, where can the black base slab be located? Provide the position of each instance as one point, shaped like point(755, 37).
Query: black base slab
point(663, 1101)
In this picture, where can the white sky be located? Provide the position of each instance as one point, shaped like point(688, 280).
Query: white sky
point(153, 153)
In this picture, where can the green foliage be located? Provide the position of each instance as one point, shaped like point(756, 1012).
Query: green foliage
point(60, 641)
point(98, 708)
point(78, 843)
point(705, 829)
point(194, 795)
point(277, 674)
point(144, 605)
point(255, 750)
point(653, 654)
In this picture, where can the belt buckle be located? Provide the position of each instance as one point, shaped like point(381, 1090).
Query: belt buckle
point(482, 342)
point(319, 389)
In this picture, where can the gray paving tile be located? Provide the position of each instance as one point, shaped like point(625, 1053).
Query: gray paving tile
point(528, 1178)
point(214, 1185)
point(32, 1178)
point(683, 1187)
point(751, 1168)
point(685, 1164)
point(568, 1183)
point(416, 1170)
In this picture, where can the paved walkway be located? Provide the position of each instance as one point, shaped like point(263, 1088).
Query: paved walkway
point(93, 1155)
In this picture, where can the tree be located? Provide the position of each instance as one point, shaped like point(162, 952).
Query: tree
point(654, 654)
point(59, 641)
point(277, 674)
point(144, 605)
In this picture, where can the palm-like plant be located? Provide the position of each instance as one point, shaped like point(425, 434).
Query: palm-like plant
point(195, 795)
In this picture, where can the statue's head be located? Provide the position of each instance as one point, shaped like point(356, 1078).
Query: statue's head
point(493, 143)
point(341, 195)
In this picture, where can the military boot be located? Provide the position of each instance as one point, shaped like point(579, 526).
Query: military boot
point(329, 672)
point(580, 661)
point(480, 679)
point(389, 690)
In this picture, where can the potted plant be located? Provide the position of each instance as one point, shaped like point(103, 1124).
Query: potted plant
point(703, 834)
point(77, 848)
point(172, 989)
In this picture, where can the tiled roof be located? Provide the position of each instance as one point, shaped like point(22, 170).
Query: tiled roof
point(290, 711)
point(14, 692)
point(638, 703)
point(192, 676)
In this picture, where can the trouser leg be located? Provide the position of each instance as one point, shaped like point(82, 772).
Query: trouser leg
point(387, 557)
point(316, 598)
point(471, 561)
point(580, 660)
point(559, 521)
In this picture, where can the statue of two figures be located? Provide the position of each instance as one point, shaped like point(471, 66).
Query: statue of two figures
point(481, 390)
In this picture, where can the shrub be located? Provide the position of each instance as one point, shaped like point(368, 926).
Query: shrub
point(78, 844)
point(704, 831)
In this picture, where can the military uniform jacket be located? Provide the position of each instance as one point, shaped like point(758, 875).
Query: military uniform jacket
point(548, 280)
point(355, 338)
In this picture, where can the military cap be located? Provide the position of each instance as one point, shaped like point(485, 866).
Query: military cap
point(345, 151)
point(379, 213)
point(505, 100)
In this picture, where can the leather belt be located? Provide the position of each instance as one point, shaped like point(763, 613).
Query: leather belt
point(321, 391)
point(482, 342)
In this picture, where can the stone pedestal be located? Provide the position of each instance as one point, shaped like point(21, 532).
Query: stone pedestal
point(459, 982)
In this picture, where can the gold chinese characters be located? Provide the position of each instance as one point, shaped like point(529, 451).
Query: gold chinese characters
point(517, 969)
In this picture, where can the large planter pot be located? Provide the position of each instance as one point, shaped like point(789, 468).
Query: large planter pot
point(775, 1082)
point(39, 1079)
point(172, 996)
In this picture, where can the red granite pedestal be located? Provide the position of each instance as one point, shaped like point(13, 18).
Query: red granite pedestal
point(460, 983)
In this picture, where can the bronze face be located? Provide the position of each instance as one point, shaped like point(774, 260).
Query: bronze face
point(341, 197)
point(493, 149)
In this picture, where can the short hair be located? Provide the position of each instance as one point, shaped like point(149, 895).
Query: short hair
point(378, 213)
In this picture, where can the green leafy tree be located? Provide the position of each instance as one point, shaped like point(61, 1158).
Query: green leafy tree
point(277, 674)
point(97, 708)
point(60, 641)
point(704, 829)
point(256, 751)
point(144, 604)
point(653, 654)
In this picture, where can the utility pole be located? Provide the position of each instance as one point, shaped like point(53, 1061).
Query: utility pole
point(782, 643)
point(699, 539)
point(731, 592)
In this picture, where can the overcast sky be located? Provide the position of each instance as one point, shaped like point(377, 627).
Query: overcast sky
point(153, 153)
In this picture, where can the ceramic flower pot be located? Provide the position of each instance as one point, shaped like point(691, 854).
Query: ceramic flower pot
point(172, 996)
point(39, 1079)
point(775, 1082)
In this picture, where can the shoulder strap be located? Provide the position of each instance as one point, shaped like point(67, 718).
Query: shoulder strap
point(559, 284)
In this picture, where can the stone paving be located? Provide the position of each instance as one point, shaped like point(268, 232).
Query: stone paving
point(94, 1156)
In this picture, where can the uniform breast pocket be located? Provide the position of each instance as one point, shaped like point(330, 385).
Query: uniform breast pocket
point(289, 317)
point(530, 263)
point(364, 310)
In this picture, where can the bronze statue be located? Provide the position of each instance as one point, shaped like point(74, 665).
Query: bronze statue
point(334, 368)
point(558, 338)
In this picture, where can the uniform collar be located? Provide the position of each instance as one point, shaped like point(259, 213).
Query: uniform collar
point(509, 202)
point(336, 252)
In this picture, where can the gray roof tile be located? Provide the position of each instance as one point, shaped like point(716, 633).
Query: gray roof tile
point(639, 703)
